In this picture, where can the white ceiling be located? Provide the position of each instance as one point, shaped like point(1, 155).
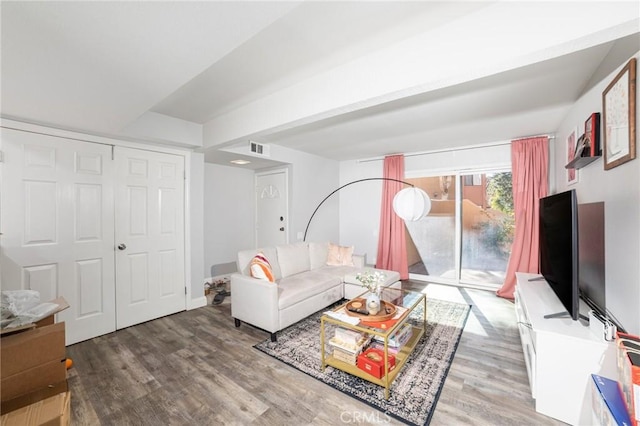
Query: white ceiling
point(342, 80)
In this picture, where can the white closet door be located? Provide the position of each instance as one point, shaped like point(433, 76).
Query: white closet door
point(57, 222)
point(150, 268)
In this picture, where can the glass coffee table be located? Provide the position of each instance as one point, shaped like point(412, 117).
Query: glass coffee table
point(383, 332)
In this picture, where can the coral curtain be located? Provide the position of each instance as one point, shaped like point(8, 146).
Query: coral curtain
point(529, 173)
point(392, 247)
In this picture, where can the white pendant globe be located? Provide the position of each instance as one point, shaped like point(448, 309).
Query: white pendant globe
point(411, 204)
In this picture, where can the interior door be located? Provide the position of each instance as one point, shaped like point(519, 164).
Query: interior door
point(271, 208)
point(56, 217)
point(150, 267)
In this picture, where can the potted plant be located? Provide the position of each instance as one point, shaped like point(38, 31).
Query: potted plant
point(373, 281)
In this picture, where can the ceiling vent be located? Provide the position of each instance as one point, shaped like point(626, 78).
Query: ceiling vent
point(258, 148)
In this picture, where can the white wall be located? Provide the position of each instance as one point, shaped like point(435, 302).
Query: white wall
point(619, 188)
point(229, 207)
point(360, 207)
point(311, 179)
point(229, 221)
point(360, 203)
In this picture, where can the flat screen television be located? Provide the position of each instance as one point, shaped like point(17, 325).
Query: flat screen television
point(558, 240)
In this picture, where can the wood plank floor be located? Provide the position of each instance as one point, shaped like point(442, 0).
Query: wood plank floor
point(196, 368)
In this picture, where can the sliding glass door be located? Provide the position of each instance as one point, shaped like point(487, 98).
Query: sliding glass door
point(466, 237)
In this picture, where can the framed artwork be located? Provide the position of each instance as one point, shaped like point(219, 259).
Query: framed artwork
point(619, 117)
point(592, 134)
point(572, 140)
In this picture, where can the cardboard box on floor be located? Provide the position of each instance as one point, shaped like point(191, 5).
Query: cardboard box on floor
point(52, 411)
point(32, 362)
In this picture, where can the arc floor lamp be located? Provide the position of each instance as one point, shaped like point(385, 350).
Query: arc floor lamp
point(410, 203)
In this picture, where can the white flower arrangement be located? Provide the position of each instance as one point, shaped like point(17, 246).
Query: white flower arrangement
point(372, 280)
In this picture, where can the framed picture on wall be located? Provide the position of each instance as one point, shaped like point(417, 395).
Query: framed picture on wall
point(592, 134)
point(572, 140)
point(619, 117)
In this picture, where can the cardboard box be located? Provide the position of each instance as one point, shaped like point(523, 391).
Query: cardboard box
point(628, 363)
point(608, 405)
point(10, 405)
point(32, 362)
point(372, 361)
point(52, 411)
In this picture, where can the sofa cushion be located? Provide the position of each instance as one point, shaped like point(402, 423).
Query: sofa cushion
point(339, 271)
point(246, 256)
point(261, 268)
point(293, 259)
point(318, 255)
point(339, 255)
point(298, 287)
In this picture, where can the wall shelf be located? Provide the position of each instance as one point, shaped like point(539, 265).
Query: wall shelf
point(580, 162)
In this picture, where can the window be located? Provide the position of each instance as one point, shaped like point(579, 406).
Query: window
point(466, 237)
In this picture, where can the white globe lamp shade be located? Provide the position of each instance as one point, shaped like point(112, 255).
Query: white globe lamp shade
point(411, 204)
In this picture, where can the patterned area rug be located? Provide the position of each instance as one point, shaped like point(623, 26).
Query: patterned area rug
point(416, 389)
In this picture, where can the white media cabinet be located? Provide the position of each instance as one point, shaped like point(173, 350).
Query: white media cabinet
point(560, 354)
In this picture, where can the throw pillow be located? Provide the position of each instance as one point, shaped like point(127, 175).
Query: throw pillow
point(340, 255)
point(261, 268)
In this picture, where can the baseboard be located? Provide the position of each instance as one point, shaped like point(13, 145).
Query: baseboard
point(196, 303)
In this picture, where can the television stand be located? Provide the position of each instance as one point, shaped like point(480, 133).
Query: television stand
point(559, 355)
point(565, 314)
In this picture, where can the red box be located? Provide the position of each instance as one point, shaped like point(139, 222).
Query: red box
point(372, 361)
point(628, 362)
point(592, 134)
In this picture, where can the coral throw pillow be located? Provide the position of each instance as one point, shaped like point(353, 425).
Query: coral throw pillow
point(261, 268)
point(339, 255)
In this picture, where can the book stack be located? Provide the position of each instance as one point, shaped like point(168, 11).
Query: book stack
point(395, 342)
point(348, 344)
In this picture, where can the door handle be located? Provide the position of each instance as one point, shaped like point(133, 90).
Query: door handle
point(122, 246)
point(282, 228)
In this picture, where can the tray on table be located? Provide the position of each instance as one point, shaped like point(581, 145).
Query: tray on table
point(387, 310)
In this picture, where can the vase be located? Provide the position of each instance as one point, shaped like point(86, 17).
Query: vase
point(373, 303)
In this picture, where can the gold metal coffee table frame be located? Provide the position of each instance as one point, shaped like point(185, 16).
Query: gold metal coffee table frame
point(403, 298)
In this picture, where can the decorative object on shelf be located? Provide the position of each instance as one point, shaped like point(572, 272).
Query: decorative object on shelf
point(410, 203)
point(581, 147)
point(592, 134)
point(619, 117)
point(572, 139)
point(588, 146)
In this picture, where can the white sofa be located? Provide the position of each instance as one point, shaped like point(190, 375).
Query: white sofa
point(304, 284)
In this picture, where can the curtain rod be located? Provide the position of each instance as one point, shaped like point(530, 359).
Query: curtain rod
point(462, 148)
